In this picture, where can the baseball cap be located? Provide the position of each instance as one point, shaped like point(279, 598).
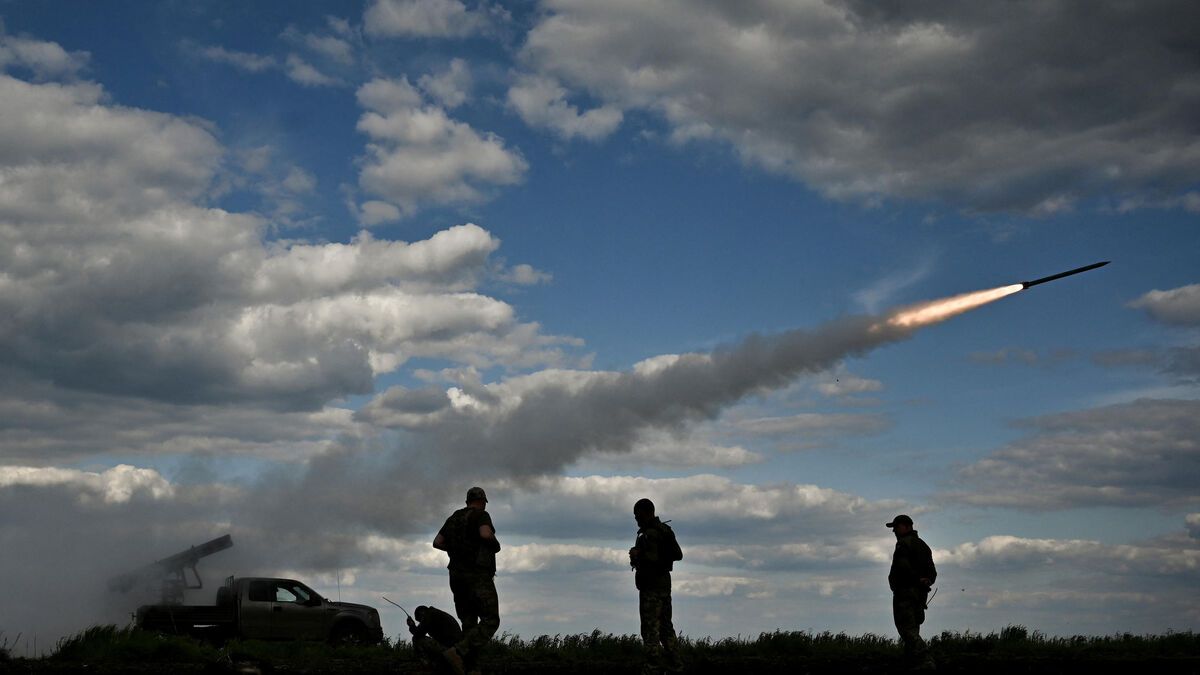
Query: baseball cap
point(900, 519)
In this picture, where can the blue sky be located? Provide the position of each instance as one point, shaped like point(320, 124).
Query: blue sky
point(306, 272)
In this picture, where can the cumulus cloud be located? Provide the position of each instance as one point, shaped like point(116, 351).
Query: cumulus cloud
point(710, 509)
point(542, 102)
point(375, 212)
point(419, 155)
point(70, 158)
point(451, 87)
point(116, 280)
point(1144, 453)
point(918, 101)
point(524, 275)
point(302, 72)
point(1016, 554)
point(335, 48)
point(1177, 306)
point(422, 18)
point(116, 485)
point(45, 60)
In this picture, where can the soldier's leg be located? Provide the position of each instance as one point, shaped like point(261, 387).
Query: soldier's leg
point(666, 632)
point(908, 623)
point(650, 609)
point(487, 608)
point(464, 601)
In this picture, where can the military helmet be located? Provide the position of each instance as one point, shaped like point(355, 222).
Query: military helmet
point(643, 506)
point(476, 493)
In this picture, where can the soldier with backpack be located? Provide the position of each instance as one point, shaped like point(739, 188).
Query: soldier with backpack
point(470, 538)
point(652, 558)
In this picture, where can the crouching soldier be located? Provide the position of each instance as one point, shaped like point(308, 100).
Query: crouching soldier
point(652, 558)
point(911, 576)
point(433, 632)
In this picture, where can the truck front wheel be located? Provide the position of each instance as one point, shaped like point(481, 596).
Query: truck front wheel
point(349, 633)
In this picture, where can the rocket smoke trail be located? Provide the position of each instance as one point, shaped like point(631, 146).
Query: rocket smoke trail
point(535, 425)
point(539, 423)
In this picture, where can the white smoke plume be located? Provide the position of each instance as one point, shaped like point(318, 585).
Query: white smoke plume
point(535, 425)
point(319, 516)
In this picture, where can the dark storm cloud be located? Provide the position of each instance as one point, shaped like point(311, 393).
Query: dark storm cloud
point(1025, 106)
point(1144, 453)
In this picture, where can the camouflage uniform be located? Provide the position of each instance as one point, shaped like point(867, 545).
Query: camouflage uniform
point(653, 581)
point(472, 578)
point(911, 562)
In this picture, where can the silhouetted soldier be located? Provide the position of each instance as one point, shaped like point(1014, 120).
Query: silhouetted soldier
point(652, 557)
point(433, 632)
point(470, 539)
point(911, 576)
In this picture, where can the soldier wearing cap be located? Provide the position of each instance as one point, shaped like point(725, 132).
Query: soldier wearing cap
point(910, 578)
point(470, 538)
point(652, 558)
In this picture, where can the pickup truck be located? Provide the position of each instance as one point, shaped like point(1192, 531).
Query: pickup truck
point(267, 609)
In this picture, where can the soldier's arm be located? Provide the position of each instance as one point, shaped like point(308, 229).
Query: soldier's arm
point(439, 542)
point(487, 533)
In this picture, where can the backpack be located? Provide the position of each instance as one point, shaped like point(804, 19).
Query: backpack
point(669, 547)
point(459, 541)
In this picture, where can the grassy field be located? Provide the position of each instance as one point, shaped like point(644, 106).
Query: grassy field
point(109, 649)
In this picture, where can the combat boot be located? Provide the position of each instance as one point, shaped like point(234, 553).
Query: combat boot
point(452, 659)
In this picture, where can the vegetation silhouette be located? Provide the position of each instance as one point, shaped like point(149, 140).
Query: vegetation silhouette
point(111, 649)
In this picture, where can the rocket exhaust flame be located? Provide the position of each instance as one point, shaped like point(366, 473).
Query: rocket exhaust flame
point(935, 311)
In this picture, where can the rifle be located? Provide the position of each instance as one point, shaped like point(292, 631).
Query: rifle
point(401, 608)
